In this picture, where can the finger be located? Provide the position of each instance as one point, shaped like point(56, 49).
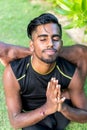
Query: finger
point(60, 103)
point(59, 91)
point(59, 107)
point(53, 83)
point(56, 91)
point(61, 100)
point(48, 87)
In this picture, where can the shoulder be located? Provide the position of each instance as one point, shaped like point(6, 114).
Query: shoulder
point(8, 76)
point(64, 63)
point(9, 81)
point(8, 70)
point(19, 66)
point(8, 73)
point(20, 61)
point(81, 52)
point(65, 67)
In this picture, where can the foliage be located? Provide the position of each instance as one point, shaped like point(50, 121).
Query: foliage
point(74, 10)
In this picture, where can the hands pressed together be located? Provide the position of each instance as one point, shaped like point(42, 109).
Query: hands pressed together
point(54, 97)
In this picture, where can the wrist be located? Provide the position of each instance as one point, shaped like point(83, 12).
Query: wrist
point(64, 108)
point(44, 111)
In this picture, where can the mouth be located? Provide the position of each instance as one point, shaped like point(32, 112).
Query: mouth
point(50, 51)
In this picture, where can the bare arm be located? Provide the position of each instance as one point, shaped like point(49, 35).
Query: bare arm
point(10, 52)
point(74, 53)
point(14, 105)
point(74, 114)
point(78, 112)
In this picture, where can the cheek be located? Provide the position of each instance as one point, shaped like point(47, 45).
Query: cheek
point(38, 46)
point(58, 46)
point(37, 49)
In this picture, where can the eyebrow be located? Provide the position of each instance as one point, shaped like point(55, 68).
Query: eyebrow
point(56, 35)
point(45, 35)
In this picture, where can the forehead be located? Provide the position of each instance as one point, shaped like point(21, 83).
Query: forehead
point(47, 29)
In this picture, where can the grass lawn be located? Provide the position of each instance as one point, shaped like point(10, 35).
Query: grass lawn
point(14, 17)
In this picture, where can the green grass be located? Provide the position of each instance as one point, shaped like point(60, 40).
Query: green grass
point(14, 17)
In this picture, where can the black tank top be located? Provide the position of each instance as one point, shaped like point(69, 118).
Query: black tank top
point(33, 85)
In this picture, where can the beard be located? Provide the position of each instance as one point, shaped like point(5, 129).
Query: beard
point(51, 58)
point(48, 60)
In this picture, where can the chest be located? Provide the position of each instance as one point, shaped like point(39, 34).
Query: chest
point(36, 84)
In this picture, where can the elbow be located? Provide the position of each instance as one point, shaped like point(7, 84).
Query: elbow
point(4, 61)
point(15, 122)
point(81, 50)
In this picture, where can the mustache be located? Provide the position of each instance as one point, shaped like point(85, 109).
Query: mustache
point(50, 49)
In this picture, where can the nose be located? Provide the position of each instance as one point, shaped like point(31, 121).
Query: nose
point(50, 43)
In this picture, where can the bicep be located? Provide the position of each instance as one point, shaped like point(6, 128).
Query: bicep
point(11, 89)
point(76, 91)
point(77, 54)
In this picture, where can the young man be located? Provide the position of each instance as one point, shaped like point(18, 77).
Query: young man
point(32, 84)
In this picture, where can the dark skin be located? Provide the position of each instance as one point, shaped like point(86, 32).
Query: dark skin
point(42, 40)
point(10, 52)
point(77, 55)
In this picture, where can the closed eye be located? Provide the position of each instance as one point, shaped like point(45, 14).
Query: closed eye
point(44, 39)
point(56, 38)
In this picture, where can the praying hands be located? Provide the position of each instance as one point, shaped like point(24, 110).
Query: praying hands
point(54, 96)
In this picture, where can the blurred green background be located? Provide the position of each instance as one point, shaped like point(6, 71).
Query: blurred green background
point(14, 17)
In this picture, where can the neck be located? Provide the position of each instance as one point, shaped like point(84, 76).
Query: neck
point(42, 67)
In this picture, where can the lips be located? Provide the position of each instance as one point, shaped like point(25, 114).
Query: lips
point(50, 51)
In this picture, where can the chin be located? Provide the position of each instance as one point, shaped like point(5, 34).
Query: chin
point(49, 61)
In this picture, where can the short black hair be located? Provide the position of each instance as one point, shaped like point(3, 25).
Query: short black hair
point(42, 19)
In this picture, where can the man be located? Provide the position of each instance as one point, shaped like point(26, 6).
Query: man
point(33, 95)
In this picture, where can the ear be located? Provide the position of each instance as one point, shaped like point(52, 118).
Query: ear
point(31, 46)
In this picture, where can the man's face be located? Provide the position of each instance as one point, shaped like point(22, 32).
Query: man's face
point(46, 42)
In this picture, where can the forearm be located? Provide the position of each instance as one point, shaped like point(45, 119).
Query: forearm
point(74, 53)
point(30, 118)
point(10, 52)
point(74, 114)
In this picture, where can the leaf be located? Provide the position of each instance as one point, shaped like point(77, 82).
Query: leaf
point(74, 10)
point(84, 5)
point(69, 26)
point(85, 31)
point(62, 11)
point(65, 5)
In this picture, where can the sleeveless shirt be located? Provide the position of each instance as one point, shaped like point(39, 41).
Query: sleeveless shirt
point(33, 85)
